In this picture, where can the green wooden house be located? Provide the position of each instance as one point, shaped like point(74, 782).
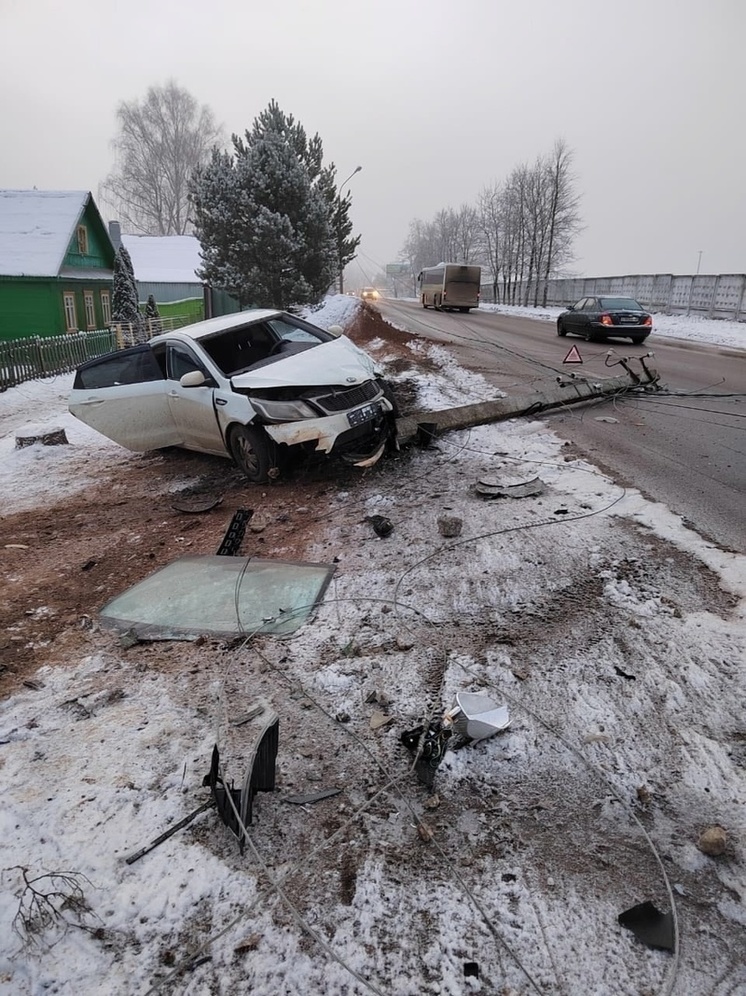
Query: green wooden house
point(56, 264)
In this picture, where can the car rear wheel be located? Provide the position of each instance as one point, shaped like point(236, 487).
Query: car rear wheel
point(561, 330)
point(255, 454)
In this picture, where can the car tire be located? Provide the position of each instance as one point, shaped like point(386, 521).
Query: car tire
point(561, 330)
point(254, 453)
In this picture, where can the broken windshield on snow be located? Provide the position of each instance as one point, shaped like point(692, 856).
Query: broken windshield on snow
point(222, 596)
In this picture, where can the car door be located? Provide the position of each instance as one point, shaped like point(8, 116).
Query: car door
point(192, 408)
point(123, 396)
point(572, 319)
point(587, 314)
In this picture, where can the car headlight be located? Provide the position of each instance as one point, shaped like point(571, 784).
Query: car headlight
point(283, 411)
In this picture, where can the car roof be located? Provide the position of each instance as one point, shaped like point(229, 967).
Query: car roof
point(223, 324)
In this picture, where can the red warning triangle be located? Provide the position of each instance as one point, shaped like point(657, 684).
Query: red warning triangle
point(573, 356)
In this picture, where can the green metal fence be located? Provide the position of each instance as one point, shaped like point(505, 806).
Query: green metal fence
point(44, 356)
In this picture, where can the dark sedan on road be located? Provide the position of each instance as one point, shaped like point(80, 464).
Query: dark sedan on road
point(606, 318)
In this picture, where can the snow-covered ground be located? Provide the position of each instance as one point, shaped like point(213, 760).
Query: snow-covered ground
point(547, 603)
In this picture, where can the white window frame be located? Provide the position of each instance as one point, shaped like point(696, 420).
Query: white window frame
point(89, 304)
point(71, 315)
point(106, 307)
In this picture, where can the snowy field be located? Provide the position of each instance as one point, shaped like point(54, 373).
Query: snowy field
point(615, 634)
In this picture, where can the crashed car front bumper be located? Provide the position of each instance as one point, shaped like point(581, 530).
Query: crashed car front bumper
point(334, 433)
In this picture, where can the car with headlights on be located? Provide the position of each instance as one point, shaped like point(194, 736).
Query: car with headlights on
point(606, 317)
point(369, 294)
point(256, 387)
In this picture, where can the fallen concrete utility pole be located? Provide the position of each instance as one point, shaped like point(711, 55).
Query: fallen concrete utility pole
point(563, 391)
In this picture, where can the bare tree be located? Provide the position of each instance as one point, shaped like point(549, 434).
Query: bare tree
point(564, 216)
point(492, 221)
point(522, 229)
point(160, 143)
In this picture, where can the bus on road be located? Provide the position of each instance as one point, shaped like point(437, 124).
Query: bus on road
point(450, 287)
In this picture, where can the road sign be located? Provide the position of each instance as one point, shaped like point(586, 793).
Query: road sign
point(573, 356)
point(396, 269)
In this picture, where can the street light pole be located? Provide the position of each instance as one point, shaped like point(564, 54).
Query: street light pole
point(699, 260)
point(340, 240)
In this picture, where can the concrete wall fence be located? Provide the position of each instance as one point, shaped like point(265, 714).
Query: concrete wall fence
point(709, 296)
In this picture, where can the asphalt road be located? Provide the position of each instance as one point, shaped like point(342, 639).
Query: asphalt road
point(688, 452)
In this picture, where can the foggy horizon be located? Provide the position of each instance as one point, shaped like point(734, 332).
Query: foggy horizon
point(434, 106)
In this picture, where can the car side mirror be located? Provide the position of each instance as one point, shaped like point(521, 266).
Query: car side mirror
point(336, 330)
point(195, 378)
point(571, 307)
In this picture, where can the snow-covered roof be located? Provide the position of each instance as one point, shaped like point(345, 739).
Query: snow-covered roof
point(164, 258)
point(35, 229)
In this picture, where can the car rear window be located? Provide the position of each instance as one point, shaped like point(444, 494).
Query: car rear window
point(625, 303)
point(130, 366)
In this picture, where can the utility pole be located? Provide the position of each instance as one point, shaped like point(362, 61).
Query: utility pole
point(699, 260)
point(340, 240)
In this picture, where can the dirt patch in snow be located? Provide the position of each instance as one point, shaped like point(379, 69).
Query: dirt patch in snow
point(624, 703)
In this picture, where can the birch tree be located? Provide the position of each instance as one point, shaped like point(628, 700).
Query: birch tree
point(160, 142)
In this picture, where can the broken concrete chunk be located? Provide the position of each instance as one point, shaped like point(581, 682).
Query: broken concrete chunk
point(425, 831)
point(381, 525)
point(713, 841)
point(450, 526)
point(379, 719)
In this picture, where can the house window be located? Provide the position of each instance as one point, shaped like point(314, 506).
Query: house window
point(106, 307)
point(90, 310)
point(71, 319)
point(82, 240)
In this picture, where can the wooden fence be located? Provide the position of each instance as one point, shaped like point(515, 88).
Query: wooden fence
point(44, 356)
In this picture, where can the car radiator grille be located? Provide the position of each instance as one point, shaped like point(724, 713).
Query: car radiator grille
point(343, 400)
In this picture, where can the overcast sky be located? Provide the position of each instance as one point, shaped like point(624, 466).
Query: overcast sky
point(433, 98)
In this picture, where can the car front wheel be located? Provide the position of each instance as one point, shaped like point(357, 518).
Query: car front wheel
point(561, 330)
point(255, 453)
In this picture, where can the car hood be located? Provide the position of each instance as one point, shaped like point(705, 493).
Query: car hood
point(337, 362)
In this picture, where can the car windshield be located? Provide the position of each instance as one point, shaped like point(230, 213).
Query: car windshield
point(619, 303)
point(248, 346)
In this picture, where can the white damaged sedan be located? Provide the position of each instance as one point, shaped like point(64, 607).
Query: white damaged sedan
point(252, 386)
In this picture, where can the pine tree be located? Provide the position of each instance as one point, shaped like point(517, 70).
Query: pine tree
point(267, 215)
point(151, 308)
point(124, 304)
